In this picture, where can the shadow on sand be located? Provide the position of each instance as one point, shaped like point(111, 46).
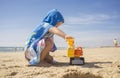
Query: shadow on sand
point(86, 65)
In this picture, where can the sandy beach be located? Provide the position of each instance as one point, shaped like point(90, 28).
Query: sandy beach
point(99, 63)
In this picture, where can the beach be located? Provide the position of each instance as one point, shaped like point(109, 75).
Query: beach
point(99, 63)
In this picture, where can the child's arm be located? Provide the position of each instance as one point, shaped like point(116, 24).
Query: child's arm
point(57, 31)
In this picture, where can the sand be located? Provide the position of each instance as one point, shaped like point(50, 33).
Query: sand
point(99, 63)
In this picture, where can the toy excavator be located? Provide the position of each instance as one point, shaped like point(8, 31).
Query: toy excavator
point(75, 53)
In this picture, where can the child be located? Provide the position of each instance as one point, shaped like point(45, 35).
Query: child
point(41, 40)
point(115, 43)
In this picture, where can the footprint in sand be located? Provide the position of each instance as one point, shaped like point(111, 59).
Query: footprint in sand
point(13, 73)
point(9, 60)
point(78, 74)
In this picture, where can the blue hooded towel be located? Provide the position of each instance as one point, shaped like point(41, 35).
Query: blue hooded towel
point(51, 19)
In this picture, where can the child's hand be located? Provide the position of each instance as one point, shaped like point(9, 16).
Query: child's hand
point(68, 37)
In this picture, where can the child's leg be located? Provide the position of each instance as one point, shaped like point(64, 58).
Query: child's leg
point(45, 51)
point(49, 59)
point(27, 55)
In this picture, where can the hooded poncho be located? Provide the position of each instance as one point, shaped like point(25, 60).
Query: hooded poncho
point(50, 20)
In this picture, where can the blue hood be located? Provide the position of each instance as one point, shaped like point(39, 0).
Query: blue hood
point(53, 17)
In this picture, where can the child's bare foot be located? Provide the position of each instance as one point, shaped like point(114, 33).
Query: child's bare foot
point(43, 63)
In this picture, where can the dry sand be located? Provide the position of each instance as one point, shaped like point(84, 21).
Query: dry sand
point(99, 63)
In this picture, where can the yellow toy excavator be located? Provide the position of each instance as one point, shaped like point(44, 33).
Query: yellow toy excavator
point(74, 53)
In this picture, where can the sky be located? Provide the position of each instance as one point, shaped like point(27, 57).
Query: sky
point(93, 23)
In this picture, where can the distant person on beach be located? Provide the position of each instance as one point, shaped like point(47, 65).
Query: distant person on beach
point(41, 42)
point(115, 43)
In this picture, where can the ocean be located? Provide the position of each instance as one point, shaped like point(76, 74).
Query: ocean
point(18, 49)
point(11, 49)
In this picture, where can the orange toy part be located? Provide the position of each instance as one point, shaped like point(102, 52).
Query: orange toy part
point(78, 52)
